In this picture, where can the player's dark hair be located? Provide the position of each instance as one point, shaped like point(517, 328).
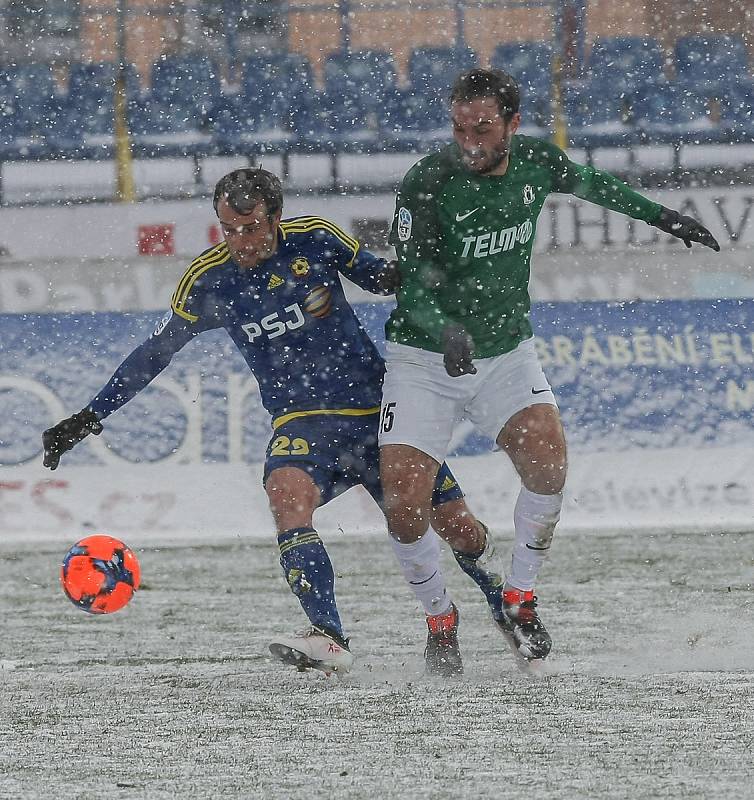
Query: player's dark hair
point(488, 83)
point(244, 189)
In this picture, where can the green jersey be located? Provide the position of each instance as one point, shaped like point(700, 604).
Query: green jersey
point(464, 241)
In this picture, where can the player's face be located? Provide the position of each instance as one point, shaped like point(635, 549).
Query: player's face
point(252, 238)
point(483, 135)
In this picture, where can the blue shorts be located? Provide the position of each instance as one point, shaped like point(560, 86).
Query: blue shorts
point(340, 451)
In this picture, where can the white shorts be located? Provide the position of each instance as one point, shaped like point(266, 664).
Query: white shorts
point(422, 404)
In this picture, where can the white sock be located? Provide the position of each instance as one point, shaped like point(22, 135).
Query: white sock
point(534, 518)
point(420, 562)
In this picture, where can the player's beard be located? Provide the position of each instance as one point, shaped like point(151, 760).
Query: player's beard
point(492, 158)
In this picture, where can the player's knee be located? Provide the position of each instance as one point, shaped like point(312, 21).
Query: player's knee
point(293, 496)
point(547, 479)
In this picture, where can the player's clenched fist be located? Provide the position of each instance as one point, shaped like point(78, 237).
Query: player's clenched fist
point(457, 349)
point(67, 434)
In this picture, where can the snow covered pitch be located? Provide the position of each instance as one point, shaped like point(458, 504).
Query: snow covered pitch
point(649, 692)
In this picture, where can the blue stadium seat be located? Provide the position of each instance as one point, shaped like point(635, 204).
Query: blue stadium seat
point(626, 61)
point(738, 111)
point(169, 130)
point(12, 120)
point(277, 73)
point(599, 115)
point(679, 112)
point(308, 119)
point(190, 82)
point(238, 127)
point(331, 121)
point(30, 110)
point(32, 84)
point(435, 69)
point(271, 84)
point(352, 73)
point(351, 122)
point(91, 89)
point(711, 59)
point(530, 63)
point(410, 120)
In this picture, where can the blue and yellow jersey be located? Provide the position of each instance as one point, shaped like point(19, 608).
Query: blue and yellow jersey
point(288, 316)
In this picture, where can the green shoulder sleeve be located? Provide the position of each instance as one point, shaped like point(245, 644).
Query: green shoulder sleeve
point(416, 235)
point(597, 186)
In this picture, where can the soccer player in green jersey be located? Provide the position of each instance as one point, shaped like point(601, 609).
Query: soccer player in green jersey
point(460, 341)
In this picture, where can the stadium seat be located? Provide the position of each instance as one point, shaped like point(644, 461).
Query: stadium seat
point(330, 121)
point(351, 121)
point(269, 85)
point(679, 112)
point(599, 115)
point(530, 63)
point(30, 110)
point(626, 61)
point(190, 83)
point(409, 120)
point(238, 127)
point(90, 96)
point(280, 74)
point(738, 111)
point(169, 130)
point(711, 59)
point(32, 84)
point(434, 69)
point(350, 73)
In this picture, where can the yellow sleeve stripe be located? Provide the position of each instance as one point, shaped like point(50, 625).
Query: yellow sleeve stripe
point(217, 255)
point(308, 224)
point(188, 276)
point(305, 224)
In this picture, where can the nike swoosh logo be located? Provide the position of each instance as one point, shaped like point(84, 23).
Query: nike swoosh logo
point(462, 217)
point(538, 391)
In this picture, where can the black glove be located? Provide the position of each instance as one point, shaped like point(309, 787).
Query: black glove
point(457, 349)
point(685, 228)
point(67, 434)
point(389, 278)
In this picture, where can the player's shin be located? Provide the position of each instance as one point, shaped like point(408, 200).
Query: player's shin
point(309, 573)
point(420, 564)
point(535, 517)
point(482, 567)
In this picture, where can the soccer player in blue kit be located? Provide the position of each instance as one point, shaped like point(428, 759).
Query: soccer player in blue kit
point(274, 285)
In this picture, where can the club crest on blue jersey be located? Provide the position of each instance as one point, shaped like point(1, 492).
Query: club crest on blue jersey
point(300, 267)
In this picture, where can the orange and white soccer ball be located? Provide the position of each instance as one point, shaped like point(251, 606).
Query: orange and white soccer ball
point(100, 574)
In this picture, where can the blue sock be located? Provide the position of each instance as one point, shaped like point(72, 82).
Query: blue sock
point(310, 575)
point(490, 583)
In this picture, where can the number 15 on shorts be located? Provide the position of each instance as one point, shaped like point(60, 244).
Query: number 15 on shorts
point(388, 417)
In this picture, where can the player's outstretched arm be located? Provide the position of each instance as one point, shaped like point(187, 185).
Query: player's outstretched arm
point(137, 371)
point(687, 229)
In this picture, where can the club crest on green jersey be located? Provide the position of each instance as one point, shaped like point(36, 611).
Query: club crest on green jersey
point(162, 324)
point(404, 224)
point(528, 194)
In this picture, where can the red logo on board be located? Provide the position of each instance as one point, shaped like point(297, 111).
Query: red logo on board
point(156, 240)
